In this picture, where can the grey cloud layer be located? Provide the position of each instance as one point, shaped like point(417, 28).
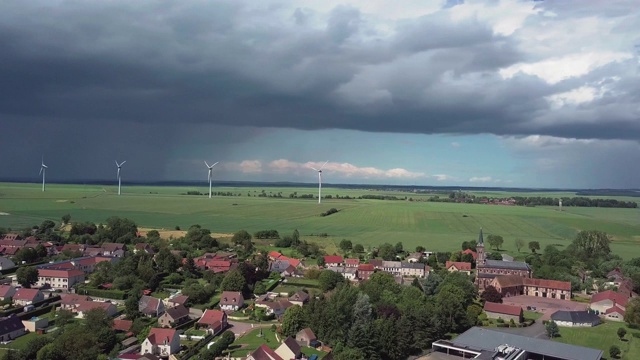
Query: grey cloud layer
point(274, 64)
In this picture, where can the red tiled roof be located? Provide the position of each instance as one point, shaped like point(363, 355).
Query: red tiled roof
point(459, 265)
point(180, 299)
point(473, 253)
point(616, 297)
point(293, 262)
point(613, 310)
point(502, 308)
point(157, 336)
point(90, 305)
point(231, 298)
point(122, 325)
point(71, 299)
point(25, 294)
point(549, 284)
point(366, 267)
point(4, 289)
point(329, 259)
point(60, 273)
point(265, 353)
point(274, 254)
point(352, 261)
point(211, 317)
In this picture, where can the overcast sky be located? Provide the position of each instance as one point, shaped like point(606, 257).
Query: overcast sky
point(488, 93)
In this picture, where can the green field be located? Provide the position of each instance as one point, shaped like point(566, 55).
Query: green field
point(602, 337)
point(436, 226)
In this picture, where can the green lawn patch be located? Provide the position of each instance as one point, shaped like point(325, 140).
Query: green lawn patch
point(194, 332)
point(251, 341)
point(602, 337)
point(21, 342)
point(532, 315)
point(311, 351)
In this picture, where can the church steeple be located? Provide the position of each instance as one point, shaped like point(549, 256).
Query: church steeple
point(480, 249)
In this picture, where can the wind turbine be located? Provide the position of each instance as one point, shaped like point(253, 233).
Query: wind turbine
point(320, 180)
point(210, 167)
point(43, 169)
point(119, 166)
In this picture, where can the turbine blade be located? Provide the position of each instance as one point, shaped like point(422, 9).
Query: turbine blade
point(207, 164)
point(314, 168)
point(40, 173)
point(116, 163)
point(215, 164)
point(45, 166)
point(325, 163)
point(123, 162)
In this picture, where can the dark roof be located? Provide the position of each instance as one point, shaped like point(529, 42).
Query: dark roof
point(264, 353)
point(293, 345)
point(480, 238)
point(309, 333)
point(409, 265)
point(177, 312)
point(577, 317)
point(10, 324)
point(499, 264)
point(489, 340)
point(616, 297)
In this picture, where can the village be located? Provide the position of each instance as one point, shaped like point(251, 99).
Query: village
point(208, 311)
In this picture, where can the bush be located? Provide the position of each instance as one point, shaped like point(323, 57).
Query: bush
point(500, 321)
point(108, 294)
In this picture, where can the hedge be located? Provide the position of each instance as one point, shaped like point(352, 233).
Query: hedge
point(187, 324)
point(196, 348)
point(107, 294)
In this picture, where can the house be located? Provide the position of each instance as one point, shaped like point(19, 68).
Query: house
point(377, 263)
point(174, 316)
point(35, 323)
point(84, 306)
point(513, 285)
point(289, 349)
point(231, 301)
point(306, 337)
point(113, 249)
point(350, 273)
point(143, 247)
point(178, 300)
point(24, 296)
point(11, 327)
point(471, 252)
point(276, 308)
point(299, 298)
point(274, 255)
point(412, 269)
point(414, 257)
point(214, 321)
point(614, 313)
point(351, 263)
point(605, 300)
point(503, 311)
point(60, 278)
point(292, 271)
point(122, 325)
point(70, 301)
point(392, 267)
point(6, 263)
point(6, 292)
point(263, 353)
point(365, 271)
point(460, 266)
point(161, 342)
point(575, 318)
point(150, 306)
point(333, 260)
point(279, 266)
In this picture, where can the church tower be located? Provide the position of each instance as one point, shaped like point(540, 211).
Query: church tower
point(480, 249)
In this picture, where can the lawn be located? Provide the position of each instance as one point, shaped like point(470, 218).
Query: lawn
point(436, 226)
point(602, 337)
point(532, 315)
point(310, 351)
point(20, 343)
point(251, 341)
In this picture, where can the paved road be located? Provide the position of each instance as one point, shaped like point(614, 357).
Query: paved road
point(240, 328)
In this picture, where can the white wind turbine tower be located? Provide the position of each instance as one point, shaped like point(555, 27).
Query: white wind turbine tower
point(210, 167)
point(320, 180)
point(119, 179)
point(43, 169)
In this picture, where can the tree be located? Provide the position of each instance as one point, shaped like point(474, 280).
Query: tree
point(519, 244)
point(621, 333)
point(632, 312)
point(166, 261)
point(430, 285)
point(387, 252)
point(241, 237)
point(592, 245)
point(345, 245)
point(293, 321)
point(321, 261)
point(614, 351)
point(233, 281)
point(189, 269)
point(328, 280)
point(533, 246)
point(27, 276)
point(63, 317)
point(552, 329)
point(421, 249)
point(491, 294)
point(295, 237)
point(495, 241)
point(399, 248)
point(358, 248)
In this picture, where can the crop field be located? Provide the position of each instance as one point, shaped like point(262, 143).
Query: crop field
point(436, 226)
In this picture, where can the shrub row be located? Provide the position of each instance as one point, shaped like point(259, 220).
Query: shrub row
point(107, 294)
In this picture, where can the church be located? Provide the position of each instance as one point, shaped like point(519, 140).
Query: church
point(487, 270)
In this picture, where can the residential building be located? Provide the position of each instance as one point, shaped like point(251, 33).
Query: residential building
point(143, 247)
point(365, 271)
point(263, 353)
point(70, 301)
point(486, 344)
point(6, 292)
point(414, 257)
point(122, 325)
point(231, 301)
point(471, 252)
point(276, 308)
point(576, 318)
point(59, 278)
point(333, 260)
point(605, 300)
point(84, 306)
point(151, 306)
point(279, 266)
point(24, 296)
point(306, 337)
point(113, 249)
point(513, 285)
point(178, 300)
point(377, 263)
point(289, 349)
point(214, 321)
point(174, 316)
point(487, 270)
point(292, 271)
point(35, 323)
point(6, 263)
point(11, 327)
point(351, 263)
point(161, 342)
point(412, 269)
point(299, 298)
point(392, 267)
point(503, 311)
point(458, 266)
point(614, 313)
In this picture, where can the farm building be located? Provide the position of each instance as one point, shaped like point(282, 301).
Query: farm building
point(503, 311)
point(575, 318)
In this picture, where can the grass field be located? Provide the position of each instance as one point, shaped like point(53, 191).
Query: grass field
point(602, 337)
point(437, 226)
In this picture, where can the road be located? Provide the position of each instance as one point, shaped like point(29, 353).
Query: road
point(241, 328)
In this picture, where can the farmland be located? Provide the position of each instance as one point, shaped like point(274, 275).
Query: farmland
point(438, 226)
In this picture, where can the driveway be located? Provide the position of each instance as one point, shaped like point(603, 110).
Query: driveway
point(241, 328)
point(544, 305)
point(535, 331)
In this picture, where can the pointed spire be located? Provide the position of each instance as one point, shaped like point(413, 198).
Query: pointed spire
point(480, 238)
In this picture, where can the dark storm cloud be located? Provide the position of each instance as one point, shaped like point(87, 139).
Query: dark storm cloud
point(272, 64)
